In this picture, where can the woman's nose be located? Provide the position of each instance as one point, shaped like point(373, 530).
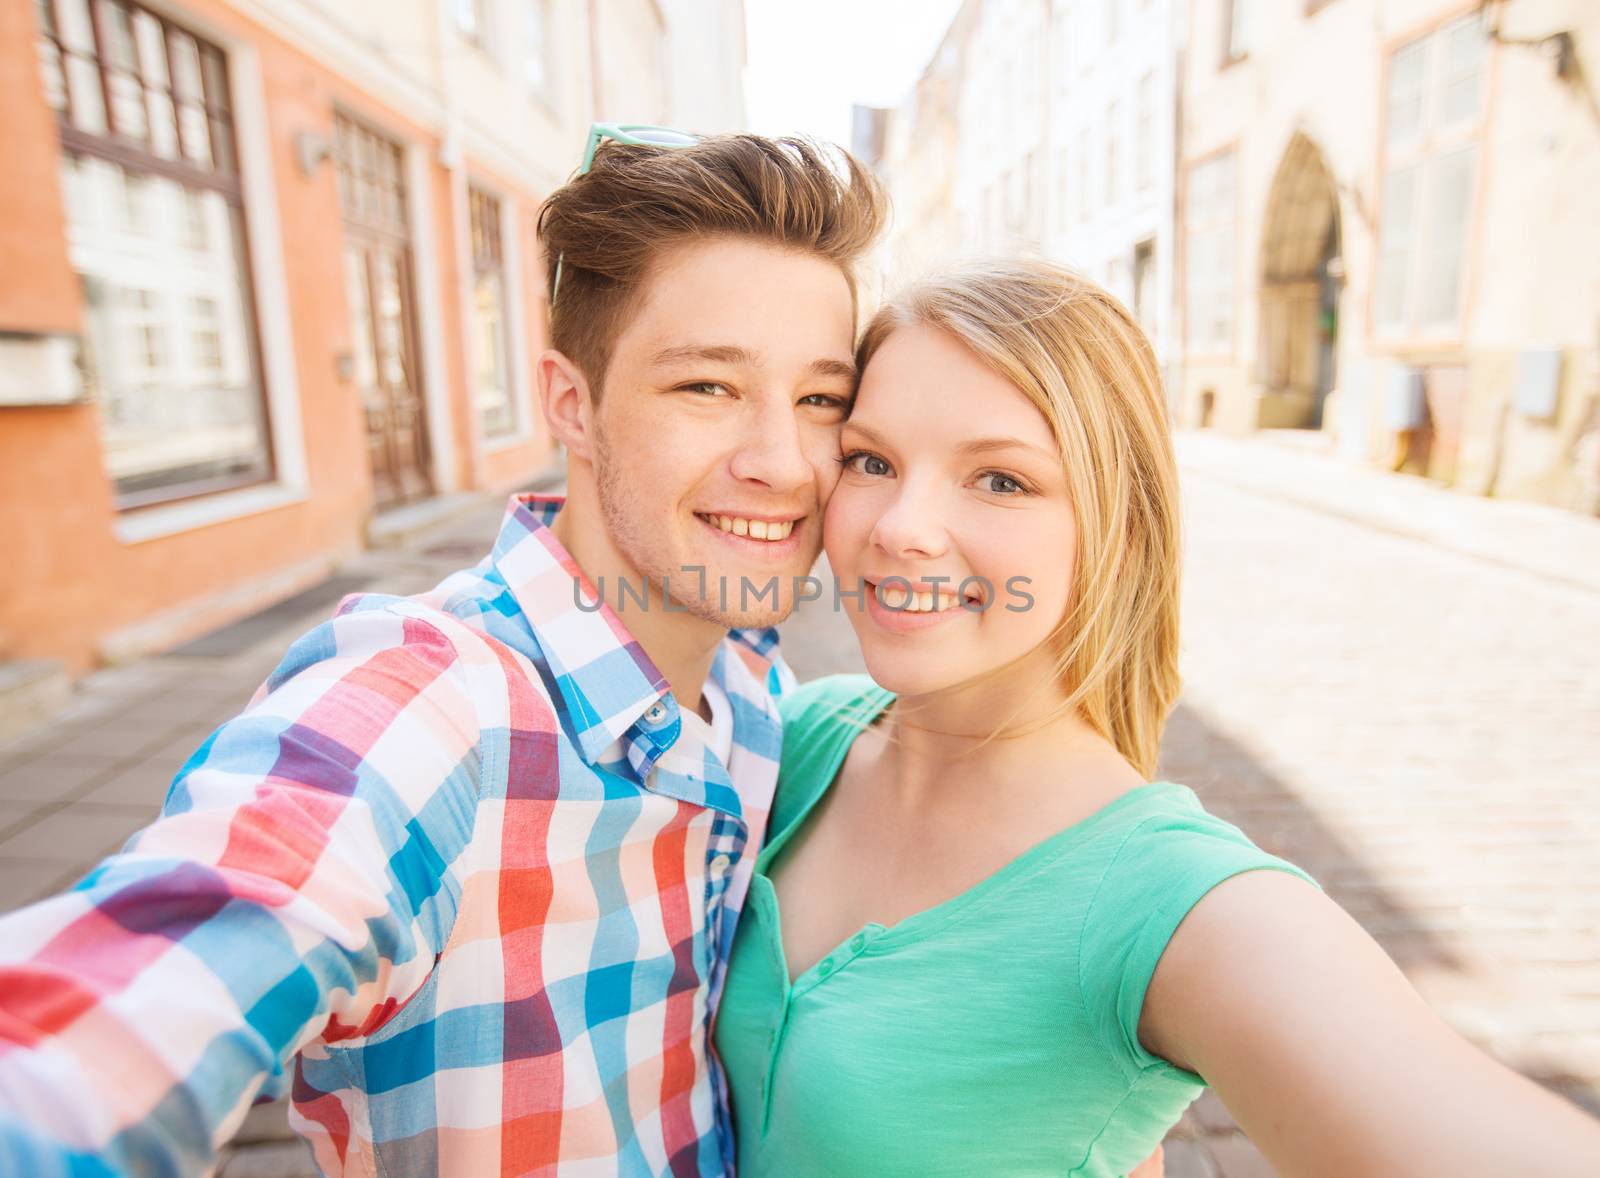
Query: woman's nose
point(913, 525)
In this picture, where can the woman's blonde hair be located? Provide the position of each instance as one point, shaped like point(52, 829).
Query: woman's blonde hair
point(1082, 360)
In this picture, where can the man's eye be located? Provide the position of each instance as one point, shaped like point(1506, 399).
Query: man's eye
point(824, 401)
point(709, 387)
point(861, 462)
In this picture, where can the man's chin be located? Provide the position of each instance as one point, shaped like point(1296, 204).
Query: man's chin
point(733, 617)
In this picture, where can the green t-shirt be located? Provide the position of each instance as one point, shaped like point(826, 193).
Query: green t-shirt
point(995, 1033)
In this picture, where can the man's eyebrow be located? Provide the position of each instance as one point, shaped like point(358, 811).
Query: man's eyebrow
point(830, 367)
point(977, 446)
point(744, 357)
point(718, 353)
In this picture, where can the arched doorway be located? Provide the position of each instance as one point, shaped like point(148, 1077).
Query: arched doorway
point(1302, 274)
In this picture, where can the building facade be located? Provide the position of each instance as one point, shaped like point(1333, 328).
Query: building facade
point(1111, 150)
point(1388, 234)
point(1047, 127)
point(271, 275)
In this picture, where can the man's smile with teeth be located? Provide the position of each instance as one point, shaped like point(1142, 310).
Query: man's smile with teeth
point(754, 529)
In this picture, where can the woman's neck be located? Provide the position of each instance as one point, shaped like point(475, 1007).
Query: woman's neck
point(936, 742)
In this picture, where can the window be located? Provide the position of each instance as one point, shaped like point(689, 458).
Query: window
point(1144, 285)
point(472, 19)
point(155, 222)
point(1083, 174)
point(1062, 204)
point(1433, 112)
point(491, 369)
point(1235, 29)
point(536, 45)
point(1209, 241)
point(1144, 134)
point(1113, 144)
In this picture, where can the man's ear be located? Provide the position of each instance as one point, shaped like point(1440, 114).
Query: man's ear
point(568, 407)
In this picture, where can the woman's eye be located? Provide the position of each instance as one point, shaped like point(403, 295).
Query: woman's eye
point(1001, 484)
point(860, 462)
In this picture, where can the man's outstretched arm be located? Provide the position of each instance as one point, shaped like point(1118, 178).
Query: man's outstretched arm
point(300, 883)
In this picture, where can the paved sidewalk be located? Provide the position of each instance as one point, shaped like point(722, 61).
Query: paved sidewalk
point(1394, 685)
point(1288, 466)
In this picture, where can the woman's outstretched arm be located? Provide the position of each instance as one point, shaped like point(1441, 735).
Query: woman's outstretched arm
point(1330, 1060)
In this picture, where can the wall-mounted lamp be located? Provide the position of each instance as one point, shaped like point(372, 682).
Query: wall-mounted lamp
point(310, 150)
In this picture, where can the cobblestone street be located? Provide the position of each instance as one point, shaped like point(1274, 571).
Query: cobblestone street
point(1393, 685)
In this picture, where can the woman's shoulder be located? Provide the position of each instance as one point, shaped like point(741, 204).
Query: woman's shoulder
point(1165, 856)
point(829, 701)
point(1168, 832)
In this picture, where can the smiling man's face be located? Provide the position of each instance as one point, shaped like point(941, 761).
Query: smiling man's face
point(716, 439)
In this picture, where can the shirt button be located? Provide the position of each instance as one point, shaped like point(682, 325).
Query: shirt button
point(858, 942)
point(719, 864)
point(655, 712)
point(825, 967)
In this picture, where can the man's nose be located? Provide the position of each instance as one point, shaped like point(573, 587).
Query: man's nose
point(771, 451)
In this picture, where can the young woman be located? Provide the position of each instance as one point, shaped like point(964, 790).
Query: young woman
point(981, 940)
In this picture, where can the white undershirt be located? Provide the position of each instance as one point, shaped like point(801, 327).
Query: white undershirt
point(718, 734)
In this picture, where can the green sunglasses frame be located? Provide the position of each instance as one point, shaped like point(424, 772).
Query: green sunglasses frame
point(633, 135)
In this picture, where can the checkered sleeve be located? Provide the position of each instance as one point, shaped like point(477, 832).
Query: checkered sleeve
point(298, 886)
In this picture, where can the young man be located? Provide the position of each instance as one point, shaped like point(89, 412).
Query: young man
point(463, 878)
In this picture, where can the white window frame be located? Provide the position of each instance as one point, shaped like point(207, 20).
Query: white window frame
point(269, 288)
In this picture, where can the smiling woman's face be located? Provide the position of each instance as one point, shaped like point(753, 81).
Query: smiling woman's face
point(950, 475)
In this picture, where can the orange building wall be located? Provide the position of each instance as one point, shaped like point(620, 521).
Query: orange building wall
point(67, 581)
point(33, 242)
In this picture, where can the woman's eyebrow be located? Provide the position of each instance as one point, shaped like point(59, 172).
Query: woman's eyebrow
point(867, 432)
point(984, 445)
point(976, 446)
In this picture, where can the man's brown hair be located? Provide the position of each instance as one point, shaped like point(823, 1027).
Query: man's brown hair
point(610, 224)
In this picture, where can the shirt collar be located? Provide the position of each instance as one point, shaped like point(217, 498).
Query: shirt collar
point(608, 682)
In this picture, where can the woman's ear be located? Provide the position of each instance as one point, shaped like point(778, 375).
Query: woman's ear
point(564, 396)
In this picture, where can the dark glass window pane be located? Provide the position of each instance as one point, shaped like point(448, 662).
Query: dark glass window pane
point(77, 32)
point(51, 75)
point(152, 49)
point(222, 146)
point(88, 98)
point(216, 79)
point(127, 106)
point(117, 29)
point(196, 135)
point(185, 66)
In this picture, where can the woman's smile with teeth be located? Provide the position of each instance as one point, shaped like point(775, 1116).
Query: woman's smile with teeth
point(901, 598)
point(754, 529)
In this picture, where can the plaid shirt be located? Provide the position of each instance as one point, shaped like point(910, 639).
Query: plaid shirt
point(459, 879)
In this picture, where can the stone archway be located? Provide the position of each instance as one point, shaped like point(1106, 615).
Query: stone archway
point(1302, 275)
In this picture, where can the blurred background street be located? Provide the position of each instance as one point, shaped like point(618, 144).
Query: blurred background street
point(271, 293)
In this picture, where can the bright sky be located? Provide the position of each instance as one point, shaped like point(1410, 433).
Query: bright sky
point(809, 61)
